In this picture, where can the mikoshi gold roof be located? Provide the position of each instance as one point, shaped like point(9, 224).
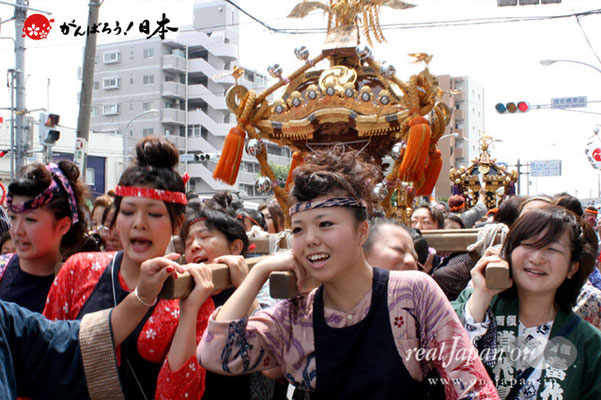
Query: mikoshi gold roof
point(484, 173)
point(343, 96)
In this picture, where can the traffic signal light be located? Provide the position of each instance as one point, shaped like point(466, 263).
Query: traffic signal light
point(49, 132)
point(511, 107)
point(204, 156)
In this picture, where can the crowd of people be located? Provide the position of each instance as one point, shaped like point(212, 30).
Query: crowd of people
point(392, 317)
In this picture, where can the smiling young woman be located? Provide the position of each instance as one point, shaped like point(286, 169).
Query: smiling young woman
point(47, 220)
point(550, 259)
point(356, 336)
point(157, 359)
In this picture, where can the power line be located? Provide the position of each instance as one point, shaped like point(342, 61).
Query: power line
point(587, 41)
point(416, 25)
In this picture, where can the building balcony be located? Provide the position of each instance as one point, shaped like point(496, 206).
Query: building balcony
point(459, 153)
point(173, 90)
point(198, 117)
point(200, 91)
point(457, 114)
point(173, 63)
point(173, 116)
point(196, 65)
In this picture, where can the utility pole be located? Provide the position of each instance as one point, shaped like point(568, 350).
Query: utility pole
point(20, 135)
point(87, 86)
point(519, 191)
point(12, 123)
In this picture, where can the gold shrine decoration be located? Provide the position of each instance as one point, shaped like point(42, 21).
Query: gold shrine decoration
point(483, 173)
point(355, 102)
point(344, 13)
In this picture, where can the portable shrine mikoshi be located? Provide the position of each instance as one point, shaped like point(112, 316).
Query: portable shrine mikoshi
point(349, 100)
point(484, 172)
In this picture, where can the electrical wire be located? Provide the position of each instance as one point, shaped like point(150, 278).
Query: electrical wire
point(587, 40)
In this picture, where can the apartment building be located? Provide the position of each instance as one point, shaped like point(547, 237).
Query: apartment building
point(177, 88)
point(466, 99)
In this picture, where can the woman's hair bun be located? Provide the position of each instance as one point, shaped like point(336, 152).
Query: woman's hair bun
point(69, 169)
point(157, 152)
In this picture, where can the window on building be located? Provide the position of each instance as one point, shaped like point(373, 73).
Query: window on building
point(248, 189)
point(111, 57)
point(273, 149)
point(90, 176)
point(168, 132)
point(182, 131)
point(94, 111)
point(112, 131)
point(204, 133)
point(147, 131)
point(110, 109)
point(131, 80)
point(193, 130)
point(96, 85)
point(226, 118)
point(131, 54)
point(148, 53)
point(249, 76)
point(147, 105)
point(179, 52)
point(110, 83)
point(458, 106)
point(148, 79)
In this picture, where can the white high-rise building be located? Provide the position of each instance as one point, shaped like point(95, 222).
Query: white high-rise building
point(184, 81)
point(465, 97)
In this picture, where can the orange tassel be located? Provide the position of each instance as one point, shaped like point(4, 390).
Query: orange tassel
point(418, 140)
point(297, 159)
point(231, 156)
point(432, 172)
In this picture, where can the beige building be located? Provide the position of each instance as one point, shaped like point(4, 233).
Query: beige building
point(459, 144)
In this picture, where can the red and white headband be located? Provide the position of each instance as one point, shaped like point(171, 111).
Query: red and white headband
point(149, 193)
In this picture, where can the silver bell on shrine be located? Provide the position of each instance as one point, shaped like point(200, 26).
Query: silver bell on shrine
point(263, 184)
point(387, 70)
point(397, 150)
point(363, 52)
point(302, 53)
point(275, 70)
point(253, 147)
point(380, 191)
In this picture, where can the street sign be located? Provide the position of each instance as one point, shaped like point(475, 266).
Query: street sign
point(545, 168)
point(186, 158)
point(569, 102)
point(81, 147)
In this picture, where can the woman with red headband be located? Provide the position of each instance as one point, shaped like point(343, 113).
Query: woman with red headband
point(46, 210)
point(157, 359)
point(365, 332)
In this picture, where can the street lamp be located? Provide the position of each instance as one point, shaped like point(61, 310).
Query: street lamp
point(454, 134)
point(125, 134)
point(546, 63)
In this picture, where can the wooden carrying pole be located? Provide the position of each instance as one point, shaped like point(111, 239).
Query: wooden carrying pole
point(282, 285)
point(175, 288)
